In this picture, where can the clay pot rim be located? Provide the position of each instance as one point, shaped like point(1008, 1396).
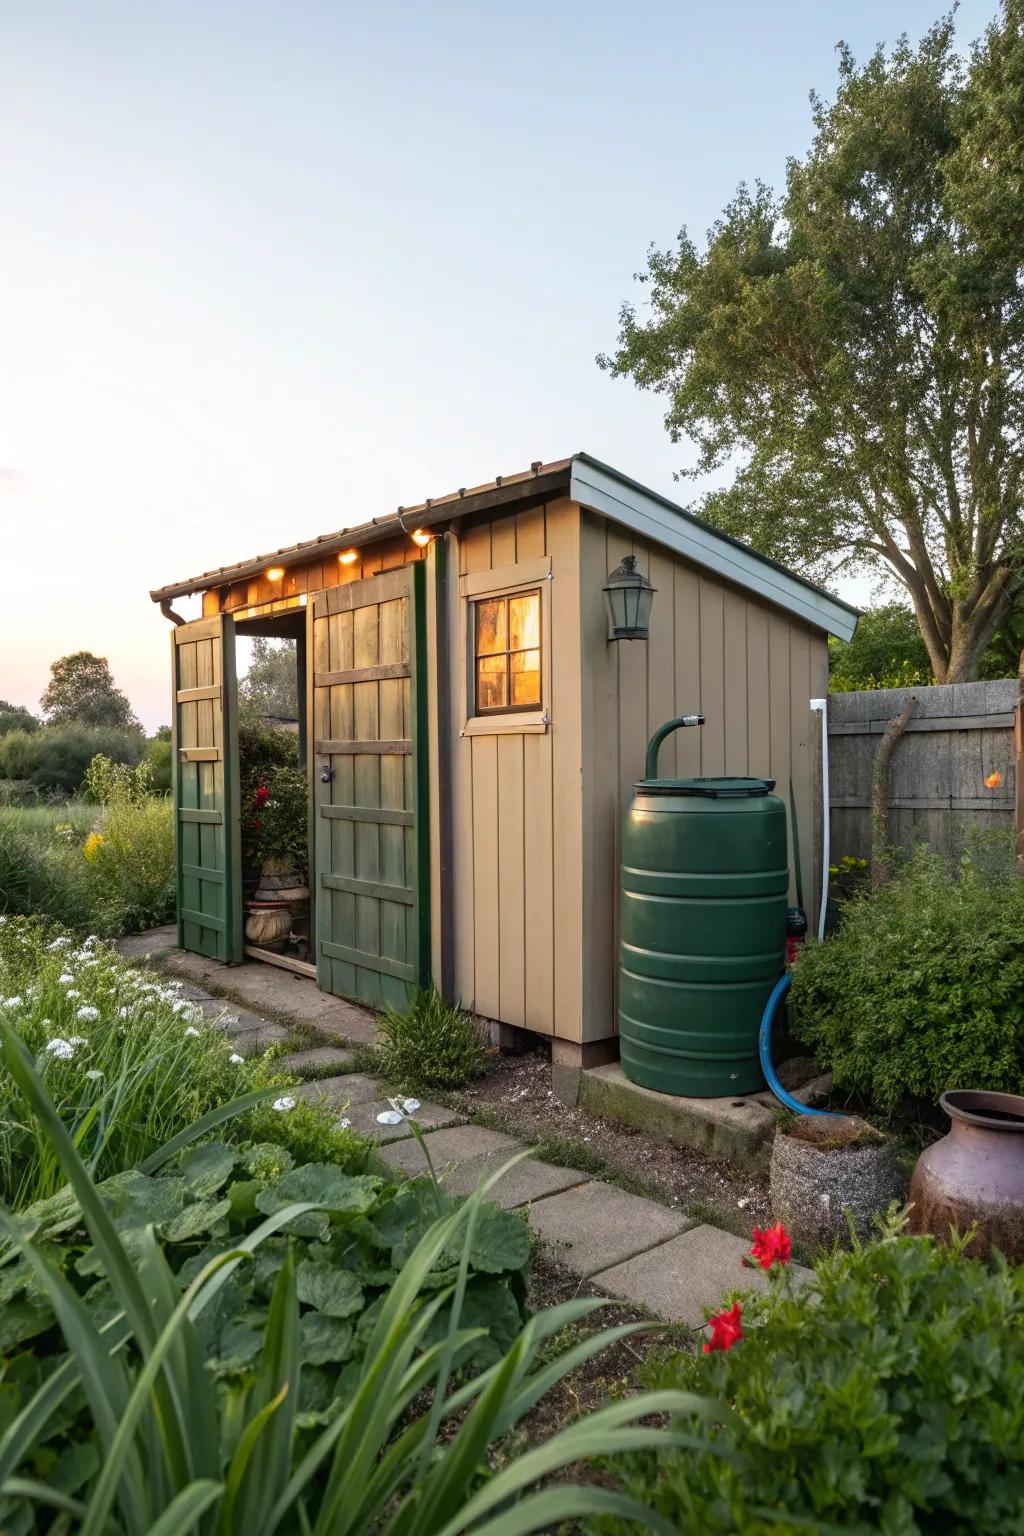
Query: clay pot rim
point(969, 1105)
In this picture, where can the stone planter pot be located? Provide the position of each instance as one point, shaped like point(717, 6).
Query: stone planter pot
point(974, 1176)
point(823, 1168)
point(267, 925)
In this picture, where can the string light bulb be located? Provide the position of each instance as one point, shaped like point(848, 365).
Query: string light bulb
point(421, 537)
point(348, 556)
point(276, 573)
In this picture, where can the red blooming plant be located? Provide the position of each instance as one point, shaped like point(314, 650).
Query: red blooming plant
point(772, 1246)
point(725, 1329)
point(260, 796)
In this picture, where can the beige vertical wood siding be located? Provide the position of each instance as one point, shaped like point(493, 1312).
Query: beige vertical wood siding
point(517, 806)
point(748, 666)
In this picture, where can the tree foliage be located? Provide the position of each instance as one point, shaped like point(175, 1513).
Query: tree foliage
point(855, 344)
point(15, 717)
point(81, 691)
point(270, 687)
point(886, 652)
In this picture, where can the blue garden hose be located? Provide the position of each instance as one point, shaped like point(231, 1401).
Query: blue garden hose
point(764, 1046)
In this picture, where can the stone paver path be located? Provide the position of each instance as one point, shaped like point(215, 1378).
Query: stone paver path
point(626, 1246)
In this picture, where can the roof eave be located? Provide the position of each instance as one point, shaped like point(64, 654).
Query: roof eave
point(540, 483)
point(615, 496)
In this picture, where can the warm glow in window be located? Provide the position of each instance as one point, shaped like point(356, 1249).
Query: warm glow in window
point(507, 653)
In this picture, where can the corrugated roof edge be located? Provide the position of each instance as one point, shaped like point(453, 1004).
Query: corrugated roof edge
point(595, 485)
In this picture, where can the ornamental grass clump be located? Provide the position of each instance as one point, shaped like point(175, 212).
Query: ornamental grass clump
point(430, 1045)
point(921, 989)
point(886, 1395)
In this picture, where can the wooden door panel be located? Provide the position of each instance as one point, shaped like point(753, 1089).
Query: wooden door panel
point(372, 890)
point(204, 764)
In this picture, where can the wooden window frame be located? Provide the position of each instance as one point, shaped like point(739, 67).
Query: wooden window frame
point(505, 581)
point(481, 710)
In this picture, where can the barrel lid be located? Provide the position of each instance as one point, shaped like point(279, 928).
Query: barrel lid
point(711, 789)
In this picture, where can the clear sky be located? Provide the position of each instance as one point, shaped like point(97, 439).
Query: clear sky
point(273, 267)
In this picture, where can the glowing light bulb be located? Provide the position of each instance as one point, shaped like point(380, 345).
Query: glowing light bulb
point(421, 537)
point(349, 556)
point(275, 573)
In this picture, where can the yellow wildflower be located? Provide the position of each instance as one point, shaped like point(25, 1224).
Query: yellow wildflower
point(92, 846)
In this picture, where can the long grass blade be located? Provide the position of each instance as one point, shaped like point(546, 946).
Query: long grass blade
point(23, 1432)
point(105, 1491)
point(41, 1493)
point(186, 1508)
point(240, 1462)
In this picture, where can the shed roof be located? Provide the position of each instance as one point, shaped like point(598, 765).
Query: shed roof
point(594, 485)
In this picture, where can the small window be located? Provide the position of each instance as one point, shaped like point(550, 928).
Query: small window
point(507, 648)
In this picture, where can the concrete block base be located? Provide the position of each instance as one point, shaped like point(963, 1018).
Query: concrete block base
point(734, 1130)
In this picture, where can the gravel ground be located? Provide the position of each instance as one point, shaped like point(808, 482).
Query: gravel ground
point(516, 1095)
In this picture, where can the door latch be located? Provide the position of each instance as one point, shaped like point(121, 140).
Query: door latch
point(325, 774)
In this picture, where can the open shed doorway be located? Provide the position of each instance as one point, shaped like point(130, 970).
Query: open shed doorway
point(276, 851)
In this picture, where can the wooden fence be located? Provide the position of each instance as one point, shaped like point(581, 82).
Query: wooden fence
point(959, 735)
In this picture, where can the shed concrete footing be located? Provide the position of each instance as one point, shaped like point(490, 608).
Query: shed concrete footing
point(731, 1130)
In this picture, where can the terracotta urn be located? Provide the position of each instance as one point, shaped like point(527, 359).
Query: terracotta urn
point(974, 1176)
point(267, 925)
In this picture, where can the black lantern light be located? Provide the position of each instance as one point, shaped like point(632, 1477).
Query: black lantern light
point(628, 595)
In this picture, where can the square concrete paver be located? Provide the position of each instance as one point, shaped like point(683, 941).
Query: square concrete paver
point(682, 1277)
point(528, 1181)
point(251, 1042)
point(449, 1149)
point(347, 1088)
point(596, 1225)
point(363, 1118)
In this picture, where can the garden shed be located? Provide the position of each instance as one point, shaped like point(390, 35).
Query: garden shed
point(471, 734)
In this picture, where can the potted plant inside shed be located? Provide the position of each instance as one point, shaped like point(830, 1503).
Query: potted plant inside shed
point(830, 1173)
point(278, 842)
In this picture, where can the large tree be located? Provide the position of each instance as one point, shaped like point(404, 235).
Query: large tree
point(82, 691)
point(851, 350)
point(270, 687)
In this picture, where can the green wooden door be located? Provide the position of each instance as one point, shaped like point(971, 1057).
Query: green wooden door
point(369, 783)
point(205, 788)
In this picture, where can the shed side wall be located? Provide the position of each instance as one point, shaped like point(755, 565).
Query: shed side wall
point(748, 666)
point(516, 812)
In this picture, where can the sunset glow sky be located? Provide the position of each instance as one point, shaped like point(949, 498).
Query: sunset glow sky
point(270, 268)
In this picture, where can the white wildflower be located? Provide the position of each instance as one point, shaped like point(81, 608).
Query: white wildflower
point(63, 1050)
point(12, 1002)
point(65, 978)
point(94, 1075)
point(344, 1123)
point(124, 1013)
point(192, 1031)
point(283, 1104)
point(228, 1019)
point(78, 1040)
point(72, 992)
point(59, 943)
point(235, 1059)
point(87, 1013)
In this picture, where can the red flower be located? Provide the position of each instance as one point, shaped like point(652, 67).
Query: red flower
point(260, 795)
point(725, 1329)
point(256, 824)
point(770, 1247)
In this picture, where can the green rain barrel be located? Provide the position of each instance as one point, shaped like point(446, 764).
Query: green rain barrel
point(704, 891)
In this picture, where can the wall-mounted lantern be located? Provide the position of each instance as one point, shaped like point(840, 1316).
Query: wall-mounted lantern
point(628, 594)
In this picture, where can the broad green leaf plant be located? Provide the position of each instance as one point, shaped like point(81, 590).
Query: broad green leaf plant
point(176, 1452)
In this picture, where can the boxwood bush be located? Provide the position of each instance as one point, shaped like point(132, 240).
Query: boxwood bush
point(922, 987)
point(886, 1396)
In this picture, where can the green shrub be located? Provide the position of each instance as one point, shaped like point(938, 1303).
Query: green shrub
point(430, 1045)
point(391, 1437)
point(41, 872)
point(274, 799)
point(130, 1062)
point(886, 1396)
point(922, 987)
point(158, 758)
point(56, 757)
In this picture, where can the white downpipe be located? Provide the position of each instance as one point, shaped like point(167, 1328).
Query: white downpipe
point(820, 706)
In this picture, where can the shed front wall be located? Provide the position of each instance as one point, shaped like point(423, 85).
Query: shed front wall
point(517, 792)
point(746, 665)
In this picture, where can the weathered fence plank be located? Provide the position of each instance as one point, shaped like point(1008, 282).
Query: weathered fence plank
point(960, 734)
